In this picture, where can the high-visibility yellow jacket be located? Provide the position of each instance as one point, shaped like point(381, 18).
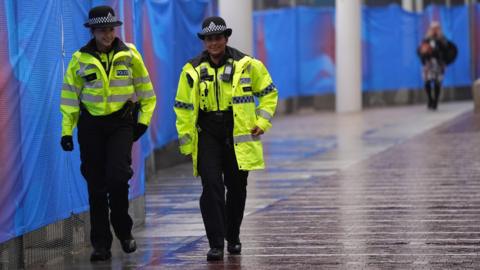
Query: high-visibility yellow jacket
point(86, 81)
point(201, 87)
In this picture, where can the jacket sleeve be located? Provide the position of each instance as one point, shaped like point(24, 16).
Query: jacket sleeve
point(184, 109)
point(143, 87)
point(422, 56)
point(69, 101)
point(266, 92)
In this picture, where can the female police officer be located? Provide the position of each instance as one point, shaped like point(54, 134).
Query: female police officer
point(220, 126)
point(101, 82)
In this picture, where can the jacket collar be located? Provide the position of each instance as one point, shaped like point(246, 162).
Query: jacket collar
point(230, 52)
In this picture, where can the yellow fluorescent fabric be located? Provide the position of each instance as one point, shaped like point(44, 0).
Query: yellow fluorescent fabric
point(251, 81)
point(87, 82)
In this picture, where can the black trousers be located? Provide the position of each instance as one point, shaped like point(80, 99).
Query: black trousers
point(218, 168)
point(105, 153)
point(433, 97)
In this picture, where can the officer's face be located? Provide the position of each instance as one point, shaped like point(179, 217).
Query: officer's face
point(215, 44)
point(104, 37)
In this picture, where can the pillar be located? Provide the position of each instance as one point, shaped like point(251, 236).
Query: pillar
point(238, 16)
point(348, 52)
point(407, 5)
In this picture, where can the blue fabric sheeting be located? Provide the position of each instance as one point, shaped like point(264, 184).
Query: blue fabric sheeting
point(276, 44)
point(390, 37)
point(42, 36)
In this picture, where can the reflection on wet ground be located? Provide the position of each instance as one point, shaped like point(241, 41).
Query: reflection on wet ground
point(392, 188)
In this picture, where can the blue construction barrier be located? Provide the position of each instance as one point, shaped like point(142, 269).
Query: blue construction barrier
point(298, 47)
point(40, 183)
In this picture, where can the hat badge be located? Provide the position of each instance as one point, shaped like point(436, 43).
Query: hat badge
point(109, 15)
point(212, 25)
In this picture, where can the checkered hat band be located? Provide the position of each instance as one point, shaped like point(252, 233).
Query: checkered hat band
point(102, 20)
point(213, 28)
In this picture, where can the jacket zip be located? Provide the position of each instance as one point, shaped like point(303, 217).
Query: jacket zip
point(217, 92)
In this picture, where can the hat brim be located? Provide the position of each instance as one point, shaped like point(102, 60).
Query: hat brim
point(227, 32)
point(103, 25)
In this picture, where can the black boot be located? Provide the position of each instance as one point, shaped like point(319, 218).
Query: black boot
point(100, 254)
point(428, 91)
point(215, 254)
point(436, 96)
point(129, 245)
point(234, 248)
point(430, 104)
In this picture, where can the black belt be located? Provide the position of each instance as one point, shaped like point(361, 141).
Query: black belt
point(129, 111)
point(217, 116)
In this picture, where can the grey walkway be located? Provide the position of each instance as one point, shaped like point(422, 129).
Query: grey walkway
point(382, 189)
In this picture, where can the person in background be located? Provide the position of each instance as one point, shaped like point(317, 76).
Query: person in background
point(435, 53)
point(219, 124)
point(100, 86)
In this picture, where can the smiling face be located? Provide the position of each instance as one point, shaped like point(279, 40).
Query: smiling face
point(104, 38)
point(215, 45)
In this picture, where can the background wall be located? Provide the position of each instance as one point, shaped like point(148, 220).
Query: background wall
point(40, 183)
point(298, 46)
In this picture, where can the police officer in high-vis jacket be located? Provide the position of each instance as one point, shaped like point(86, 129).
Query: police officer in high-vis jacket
point(107, 93)
point(219, 124)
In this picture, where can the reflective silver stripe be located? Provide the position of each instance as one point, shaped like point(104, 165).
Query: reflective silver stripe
point(141, 80)
point(71, 88)
point(83, 68)
point(121, 62)
point(145, 94)
point(245, 138)
point(69, 102)
point(184, 139)
point(264, 114)
point(91, 98)
point(94, 84)
point(126, 82)
point(119, 98)
point(245, 80)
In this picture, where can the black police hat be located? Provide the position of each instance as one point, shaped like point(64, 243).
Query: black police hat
point(101, 17)
point(214, 26)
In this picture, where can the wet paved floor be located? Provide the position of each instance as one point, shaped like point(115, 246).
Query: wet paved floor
point(393, 188)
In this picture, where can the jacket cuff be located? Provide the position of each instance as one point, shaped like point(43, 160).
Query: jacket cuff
point(144, 118)
point(263, 123)
point(67, 131)
point(185, 143)
point(186, 149)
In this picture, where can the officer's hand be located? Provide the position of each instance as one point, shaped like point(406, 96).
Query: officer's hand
point(67, 143)
point(138, 131)
point(256, 131)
